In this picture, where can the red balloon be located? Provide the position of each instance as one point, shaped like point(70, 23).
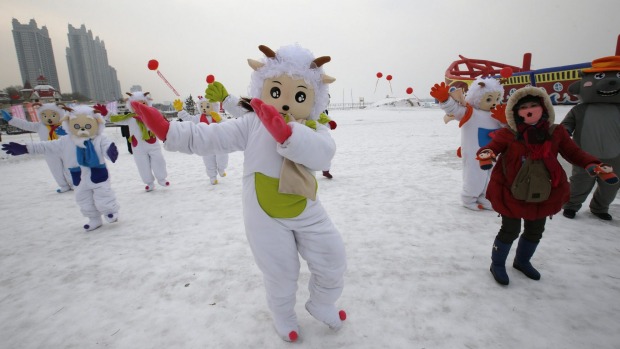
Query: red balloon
point(506, 72)
point(409, 90)
point(389, 77)
point(210, 78)
point(153, 64)
point(379, 75)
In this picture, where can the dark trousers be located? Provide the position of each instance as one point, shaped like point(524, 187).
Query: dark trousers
point(511, 227)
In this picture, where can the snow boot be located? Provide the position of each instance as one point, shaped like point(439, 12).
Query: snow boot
point(327, 174)
point(525, 251)
point(93, 223)
point(498, 265)
point(327, 314)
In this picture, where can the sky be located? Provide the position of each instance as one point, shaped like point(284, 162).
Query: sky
point(412, 40)
point(176, 270)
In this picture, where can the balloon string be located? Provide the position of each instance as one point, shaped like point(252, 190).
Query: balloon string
point(390, 86)
point(167, 83)
point(377, 83)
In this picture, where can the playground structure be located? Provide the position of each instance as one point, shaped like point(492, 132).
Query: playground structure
point(554, 80)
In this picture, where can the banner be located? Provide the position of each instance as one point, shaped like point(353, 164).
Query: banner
point(31, 112)
point(17, 111)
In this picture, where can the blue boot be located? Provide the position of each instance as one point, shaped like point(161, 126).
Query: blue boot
point(498, 261)
point(525, 251)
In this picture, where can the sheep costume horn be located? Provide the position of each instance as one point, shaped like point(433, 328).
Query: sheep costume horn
point(297, 62)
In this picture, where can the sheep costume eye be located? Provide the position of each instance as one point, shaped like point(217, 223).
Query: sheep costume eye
point(297, 63)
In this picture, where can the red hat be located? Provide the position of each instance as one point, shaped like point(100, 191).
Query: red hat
point(611, 63)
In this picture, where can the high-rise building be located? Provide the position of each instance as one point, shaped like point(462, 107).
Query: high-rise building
point(89, 71)
point(34, 53)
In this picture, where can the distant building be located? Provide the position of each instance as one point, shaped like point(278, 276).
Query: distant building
point(135, 88)
point(42, 92)
point(34, 53)
point(90, 73)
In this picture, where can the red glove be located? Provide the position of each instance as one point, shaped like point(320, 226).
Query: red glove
point(153, 119)
point(440, 92)
point(486, 158)
point(499, 113)
point(101, 109)
point(272, 120)
point(332, 125)
point(605, 171)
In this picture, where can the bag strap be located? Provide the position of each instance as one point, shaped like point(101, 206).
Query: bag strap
point(550, 130)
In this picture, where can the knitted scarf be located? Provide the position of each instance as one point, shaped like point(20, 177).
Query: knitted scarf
point(51, 129)
point(87, 156)
point(538, 142)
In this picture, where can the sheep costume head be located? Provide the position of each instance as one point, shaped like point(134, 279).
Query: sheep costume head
point(207, 107)
point(484, 94)
point(50, 114)
point(292, 80)
point(139, 96)
point(82, 123)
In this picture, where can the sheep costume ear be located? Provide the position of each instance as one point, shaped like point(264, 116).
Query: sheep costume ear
point(317, 63)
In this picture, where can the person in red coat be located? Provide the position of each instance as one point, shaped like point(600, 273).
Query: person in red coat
point(530, 132)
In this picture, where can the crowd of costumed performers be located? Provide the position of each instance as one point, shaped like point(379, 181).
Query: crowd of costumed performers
point(83, 152)
point(283, 144)
point(509, 154)
point(215, 163)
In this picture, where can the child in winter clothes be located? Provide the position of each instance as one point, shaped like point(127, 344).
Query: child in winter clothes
point(530, 132)
point(93, 192)
point(215, 164)
point(49, 128)
point(283, 216)
point(146, 148)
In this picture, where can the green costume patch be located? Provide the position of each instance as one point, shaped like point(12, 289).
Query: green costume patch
point(275, 204)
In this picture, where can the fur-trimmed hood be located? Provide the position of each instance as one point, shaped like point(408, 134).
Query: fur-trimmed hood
point(529, 91)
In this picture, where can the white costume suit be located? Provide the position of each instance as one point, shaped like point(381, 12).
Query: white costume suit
point(147, 155)
point(215, 164)
point(57, 162)
point(475, 134)
point(94, 199)
point(276, 242)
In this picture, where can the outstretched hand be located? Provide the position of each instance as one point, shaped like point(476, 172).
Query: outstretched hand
point(14, 149)
point(272, 120)
point(102, 109)
point(153, 119)
point(604, 171)
point(216, 92)
point(441, 92)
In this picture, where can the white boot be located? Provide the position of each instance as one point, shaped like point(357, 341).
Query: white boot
point(327, 314)
point(93, 223)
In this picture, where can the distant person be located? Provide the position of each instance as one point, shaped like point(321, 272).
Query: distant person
point(324, 119)
point(530, 137)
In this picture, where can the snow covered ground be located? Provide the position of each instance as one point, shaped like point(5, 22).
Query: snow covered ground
point(176, 270)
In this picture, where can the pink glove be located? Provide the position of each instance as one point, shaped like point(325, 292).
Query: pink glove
point(272, 120)
point(153, 119)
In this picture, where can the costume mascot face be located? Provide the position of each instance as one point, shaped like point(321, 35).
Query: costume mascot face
point(599, 84)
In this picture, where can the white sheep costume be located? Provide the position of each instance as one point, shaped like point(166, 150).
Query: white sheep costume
point(146, 148)
point(215, 164)
point(476, 127)
point(50, 117)
point(93, 192)
point(280, 226)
